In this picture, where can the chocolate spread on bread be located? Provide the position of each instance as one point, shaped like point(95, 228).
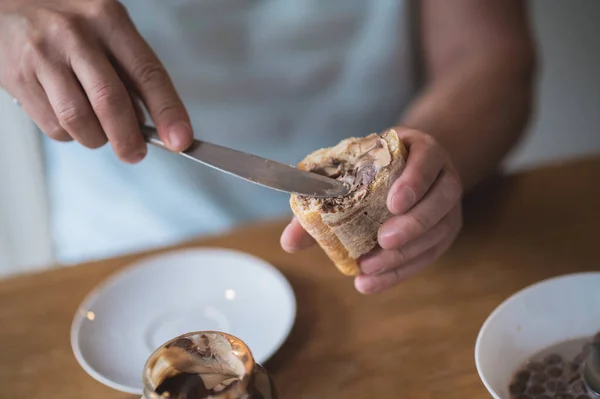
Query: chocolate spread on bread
point(365, 158)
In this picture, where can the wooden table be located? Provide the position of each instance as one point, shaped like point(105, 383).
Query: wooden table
point(415, 341)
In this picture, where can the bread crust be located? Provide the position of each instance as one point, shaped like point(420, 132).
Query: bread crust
point(347, 234)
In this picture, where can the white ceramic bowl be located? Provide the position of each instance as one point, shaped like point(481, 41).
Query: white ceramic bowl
point(138, 309)
point(539, 316)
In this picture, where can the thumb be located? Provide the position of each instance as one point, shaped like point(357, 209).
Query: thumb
point(294, 238)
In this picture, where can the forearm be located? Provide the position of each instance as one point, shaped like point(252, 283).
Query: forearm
point(477, 112)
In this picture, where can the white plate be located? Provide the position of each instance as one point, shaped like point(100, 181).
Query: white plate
point(535, 318)
point(158, 298)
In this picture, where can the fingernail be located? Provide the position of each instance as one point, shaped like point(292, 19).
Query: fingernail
point(402, 201)
point(388, 238)
point(138, 157)
point(365, 284)
point(179, 136)
point(286, 243)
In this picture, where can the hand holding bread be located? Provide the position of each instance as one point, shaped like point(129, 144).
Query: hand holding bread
point(404, 210)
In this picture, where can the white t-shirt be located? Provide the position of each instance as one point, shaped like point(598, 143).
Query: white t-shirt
point(278, 78)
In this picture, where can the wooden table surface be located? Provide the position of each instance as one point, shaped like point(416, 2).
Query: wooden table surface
point(415, 341)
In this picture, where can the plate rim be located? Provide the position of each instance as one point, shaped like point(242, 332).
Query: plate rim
point(93, 295)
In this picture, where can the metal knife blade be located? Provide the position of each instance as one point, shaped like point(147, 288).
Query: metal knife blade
point(252, 168)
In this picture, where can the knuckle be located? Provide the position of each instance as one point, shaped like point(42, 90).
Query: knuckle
point(107, 97)
point(70, 116)
point(149, 73)
point(165, 109)
point(60, 25)
point(35, 46)
point(19, 77)
point(445, 227)
point(396, 276)
point(418, 183)
point(418, 224)
point(429, 140)
point(433, 148)
point(103, 9)
point(453, 188)
point(401, 257)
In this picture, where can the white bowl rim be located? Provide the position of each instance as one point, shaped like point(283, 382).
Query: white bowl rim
point(515, 296)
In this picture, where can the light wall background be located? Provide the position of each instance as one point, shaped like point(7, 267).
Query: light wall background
point(567, 125)
point(568, 120)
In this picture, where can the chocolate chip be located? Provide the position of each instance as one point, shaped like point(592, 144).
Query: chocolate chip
point(536, 390)
point(556, 386)
point(523, 376)
point(579, 359)
point(539, 378)
point(561, 386)
point(536, 366)
point(578, 387)
point(517, 387)
point(572, 378)
point(553, 359)
point(543, 396)
point(583, 397)
point(563, 395)
point(551, 386)
point(555, 372)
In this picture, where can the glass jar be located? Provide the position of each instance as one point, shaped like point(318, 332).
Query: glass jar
point(205, 364)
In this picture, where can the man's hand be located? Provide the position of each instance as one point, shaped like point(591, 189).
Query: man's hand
point(78, 67)
point(426, 203)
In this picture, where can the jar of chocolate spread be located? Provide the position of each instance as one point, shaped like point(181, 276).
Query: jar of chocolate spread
point(206, 364)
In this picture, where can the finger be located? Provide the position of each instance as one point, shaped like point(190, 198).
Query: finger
point(366, 284)
point(441, 198)
point(294, 238)
point(424, 163)
point(152, 82)
point(369, 284)
point(111, 103)
point(34, 102)
point(71, 106)
point(137, 107)
point(382, 260)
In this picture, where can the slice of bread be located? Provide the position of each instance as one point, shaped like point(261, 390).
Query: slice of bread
point(346, 228)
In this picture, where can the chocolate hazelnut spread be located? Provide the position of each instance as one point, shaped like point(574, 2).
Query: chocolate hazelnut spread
point(195, 367)
point(365, 158)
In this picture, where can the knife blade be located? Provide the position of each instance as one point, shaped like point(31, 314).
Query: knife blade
point(261, 171)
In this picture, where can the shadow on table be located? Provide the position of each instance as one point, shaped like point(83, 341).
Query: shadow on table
point(528, 227)
point(320, 317)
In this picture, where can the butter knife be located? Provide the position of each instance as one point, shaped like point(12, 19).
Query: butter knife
point(252, 168)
